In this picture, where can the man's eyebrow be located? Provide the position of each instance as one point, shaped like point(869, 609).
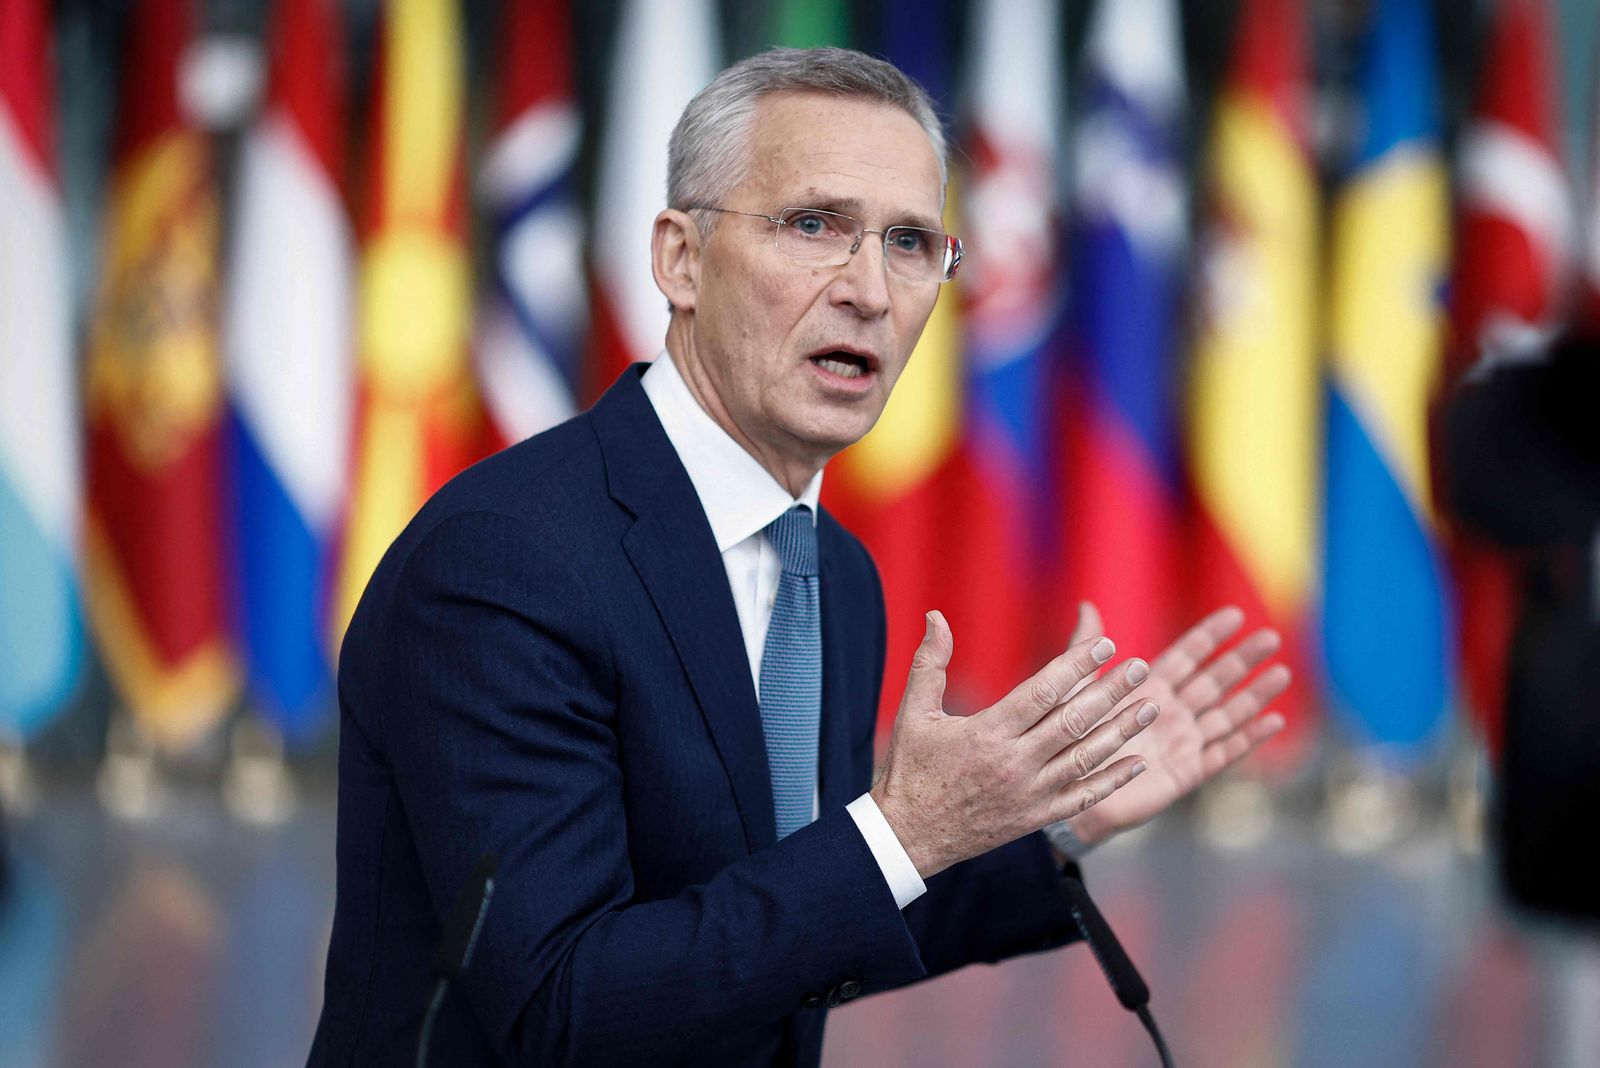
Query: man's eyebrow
point(855, 208)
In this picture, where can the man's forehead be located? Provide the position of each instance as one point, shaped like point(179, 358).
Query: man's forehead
point(846, 154)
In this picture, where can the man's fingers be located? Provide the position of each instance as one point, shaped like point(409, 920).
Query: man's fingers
point(1035, 697)
point(1080, 759)
point(1224, 673)
point(1225, 752)
point(1082, 794)
point(1077, 716)
point(1184, 656)
point(1242, 707)
point(924, 692)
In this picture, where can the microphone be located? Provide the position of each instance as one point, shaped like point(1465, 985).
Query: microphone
point(1126, 982)
point(454, 951)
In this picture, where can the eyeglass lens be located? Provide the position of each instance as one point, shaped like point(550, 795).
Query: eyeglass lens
point(826, 239)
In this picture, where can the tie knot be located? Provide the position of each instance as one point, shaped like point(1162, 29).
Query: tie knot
point(794, 538)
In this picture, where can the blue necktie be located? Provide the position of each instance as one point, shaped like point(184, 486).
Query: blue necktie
point(791, 671)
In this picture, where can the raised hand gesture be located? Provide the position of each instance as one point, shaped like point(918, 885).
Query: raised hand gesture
point(1208, 722)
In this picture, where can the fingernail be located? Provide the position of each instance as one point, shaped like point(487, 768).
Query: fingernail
point(1102, 650)
point(1137, 768)
point(927, 620)
point(1146, 714)
point(1138, 671)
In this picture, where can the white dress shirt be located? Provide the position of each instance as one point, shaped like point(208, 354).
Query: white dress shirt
point(740, 498)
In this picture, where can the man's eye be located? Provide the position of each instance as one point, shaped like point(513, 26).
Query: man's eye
point(809, 225)
point(912, 242)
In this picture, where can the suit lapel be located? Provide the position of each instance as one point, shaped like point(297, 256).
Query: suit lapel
point(675, 555)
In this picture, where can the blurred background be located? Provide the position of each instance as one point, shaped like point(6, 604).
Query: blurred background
point(272, 270)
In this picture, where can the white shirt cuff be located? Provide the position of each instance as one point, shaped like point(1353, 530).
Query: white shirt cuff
point(898, 871)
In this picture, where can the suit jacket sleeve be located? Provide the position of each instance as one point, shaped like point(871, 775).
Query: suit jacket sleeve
point(501, 693)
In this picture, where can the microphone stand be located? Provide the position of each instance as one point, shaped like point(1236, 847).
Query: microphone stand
point(455, 947)
point(1125, 980)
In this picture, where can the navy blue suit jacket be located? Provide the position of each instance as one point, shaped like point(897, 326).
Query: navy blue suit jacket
point(547, 665)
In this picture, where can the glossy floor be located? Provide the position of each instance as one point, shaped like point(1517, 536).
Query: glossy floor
point(192, 941)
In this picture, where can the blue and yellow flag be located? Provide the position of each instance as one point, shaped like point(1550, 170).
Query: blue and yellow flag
point(1387, 617)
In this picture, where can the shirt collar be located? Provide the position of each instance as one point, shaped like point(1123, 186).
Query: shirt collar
point(740, 496)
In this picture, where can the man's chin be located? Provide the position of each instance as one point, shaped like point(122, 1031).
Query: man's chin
point(831, 436)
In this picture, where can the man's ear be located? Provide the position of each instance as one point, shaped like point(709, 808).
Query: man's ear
point(675, 258)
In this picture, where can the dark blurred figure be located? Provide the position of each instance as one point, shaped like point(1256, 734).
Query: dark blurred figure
point(1522, 441)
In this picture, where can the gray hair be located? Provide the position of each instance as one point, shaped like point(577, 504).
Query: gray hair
point(709, 153)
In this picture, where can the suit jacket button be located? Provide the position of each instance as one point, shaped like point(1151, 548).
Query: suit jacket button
point(849, 989)
point(811, 1001)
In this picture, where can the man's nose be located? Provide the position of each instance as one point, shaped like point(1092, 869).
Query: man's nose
point(863, 282)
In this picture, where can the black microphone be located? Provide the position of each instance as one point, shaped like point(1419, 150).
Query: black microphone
point(451, 956)
point(1125, 980)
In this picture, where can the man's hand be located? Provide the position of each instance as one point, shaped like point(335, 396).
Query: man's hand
point(1208, 721)
point(953, 787)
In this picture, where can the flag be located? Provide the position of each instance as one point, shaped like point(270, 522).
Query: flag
point(290, 369)
point(1013, 299)
point(1255, 377)
point(419, 418)
point(1386, 613)
point(530, 336)
point(897, 488)
point(1508, 288)
point(665, 52)
point(153, 555)
point(41, 638)
point(1119, 470)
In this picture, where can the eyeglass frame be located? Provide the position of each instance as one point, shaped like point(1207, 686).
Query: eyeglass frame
point(953, 248)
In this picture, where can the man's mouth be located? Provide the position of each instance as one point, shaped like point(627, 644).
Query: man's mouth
point(842, 363)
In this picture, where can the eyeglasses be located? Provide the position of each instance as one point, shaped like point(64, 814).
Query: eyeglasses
point(816, 238)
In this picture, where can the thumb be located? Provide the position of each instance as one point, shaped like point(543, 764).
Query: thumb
point(1089, 624)
point(924, 692)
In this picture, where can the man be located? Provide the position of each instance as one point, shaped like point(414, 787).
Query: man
point(1522, 468)
point(634, 660)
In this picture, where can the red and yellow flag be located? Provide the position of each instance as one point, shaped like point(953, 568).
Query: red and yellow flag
point(419, 417)
point(1254, 432)
point(153, 406)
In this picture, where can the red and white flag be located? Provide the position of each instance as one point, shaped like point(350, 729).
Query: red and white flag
point(665, 52)
point(1514, 252)
point(1513, 265)
point(531, 331)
